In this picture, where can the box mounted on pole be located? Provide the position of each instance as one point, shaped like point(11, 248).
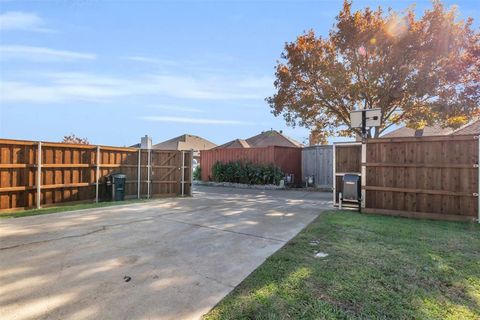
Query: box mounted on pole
point(364, 119)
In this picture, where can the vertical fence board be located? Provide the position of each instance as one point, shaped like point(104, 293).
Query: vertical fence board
point(68, 172)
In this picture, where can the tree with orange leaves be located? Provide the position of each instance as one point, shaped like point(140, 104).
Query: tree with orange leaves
point(74, 139)
point(418, 71)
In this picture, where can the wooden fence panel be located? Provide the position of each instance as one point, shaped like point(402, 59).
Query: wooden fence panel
point(17, 174)
point(428, 177)
point(253, 155)
point(318, 161)
point(347, 160)
point(69, 172)
point(287, 158)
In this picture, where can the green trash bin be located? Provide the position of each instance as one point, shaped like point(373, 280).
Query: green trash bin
point(115, 183)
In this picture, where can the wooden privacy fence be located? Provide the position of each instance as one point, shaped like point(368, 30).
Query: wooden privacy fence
point(35, 174)
point(317, 161)
point(428, 177)
point(287, 158)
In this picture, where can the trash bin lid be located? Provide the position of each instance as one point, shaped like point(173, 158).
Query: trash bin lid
point(119, 175)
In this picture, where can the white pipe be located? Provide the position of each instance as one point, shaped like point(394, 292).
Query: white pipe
point(148, 173)
point(39, 175)
point(139, 172)
point(97, 174)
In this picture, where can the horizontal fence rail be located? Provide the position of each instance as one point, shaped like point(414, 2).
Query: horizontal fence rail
point(287, 158)
point(425, 177)
point(36, 174)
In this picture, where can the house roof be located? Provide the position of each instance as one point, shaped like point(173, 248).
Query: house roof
point(185, 142)
point(472, 127)
point(237, 143)
point(264, 139)
point(425, 132)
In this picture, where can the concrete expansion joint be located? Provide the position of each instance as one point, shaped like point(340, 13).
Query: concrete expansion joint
point(103, 228)
point(224, 230)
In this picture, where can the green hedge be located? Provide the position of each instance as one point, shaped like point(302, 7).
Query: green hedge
point(247, 173)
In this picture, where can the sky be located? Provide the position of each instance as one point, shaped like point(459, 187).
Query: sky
point(113, 71)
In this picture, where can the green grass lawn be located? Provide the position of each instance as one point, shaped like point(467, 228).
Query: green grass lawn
point(377, 268)
point(36, 212)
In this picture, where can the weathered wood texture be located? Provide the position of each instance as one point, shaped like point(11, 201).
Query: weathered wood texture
point(347, 160)
point(287, 158)
point(422, 176)
point(68, 172)
point(317, 161)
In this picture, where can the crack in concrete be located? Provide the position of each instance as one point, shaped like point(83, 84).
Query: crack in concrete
point(161, 217)
point(48, 240)
point(224, 230)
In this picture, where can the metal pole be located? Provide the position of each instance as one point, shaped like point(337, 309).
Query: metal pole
point(139, 172)
point(39, 175)
point(334, 178)
point(148, 174)
point(97, 174)
point(363, 176)
point(191, 172)
point(183, 173)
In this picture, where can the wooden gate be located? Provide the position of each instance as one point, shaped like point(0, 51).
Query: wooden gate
point(433, 177)
point(76, 173)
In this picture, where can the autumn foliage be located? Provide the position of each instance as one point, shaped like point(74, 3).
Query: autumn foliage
point(74, 139)
point(418, 70)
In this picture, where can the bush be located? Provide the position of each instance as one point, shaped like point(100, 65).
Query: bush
point(197, 173)
point(247, 173)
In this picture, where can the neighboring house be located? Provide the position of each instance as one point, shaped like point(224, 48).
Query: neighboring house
point(185, 142)
point(473, 127)
point(264, 139)
point(425, 132)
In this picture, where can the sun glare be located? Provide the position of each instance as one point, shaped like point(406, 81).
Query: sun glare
point(396, 26)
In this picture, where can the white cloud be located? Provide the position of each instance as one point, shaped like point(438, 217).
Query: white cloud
point(177, 108)
point(65, 86)
point(26, 21)
point(149, 60)
point(41, 54)
point(195, 120)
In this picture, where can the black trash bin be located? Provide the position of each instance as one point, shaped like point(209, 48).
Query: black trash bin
point(115, 184)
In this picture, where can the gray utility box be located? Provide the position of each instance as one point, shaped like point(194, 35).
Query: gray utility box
point(351, 188)
point(115, 185)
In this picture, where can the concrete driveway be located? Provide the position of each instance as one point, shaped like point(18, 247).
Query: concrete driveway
point(181, 256)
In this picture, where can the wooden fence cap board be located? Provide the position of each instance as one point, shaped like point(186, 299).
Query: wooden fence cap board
point(468, 137)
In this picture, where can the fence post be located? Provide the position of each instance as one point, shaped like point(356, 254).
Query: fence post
point(334, 182)
point(182, 182)
point(139, 172)
point(363, 176)
point(148, 172)
point(191, 171)
point(97, 174)
point(39, 175)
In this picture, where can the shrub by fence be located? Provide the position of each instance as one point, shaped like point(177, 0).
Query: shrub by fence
point(288, 159)
point(246, 173)
point(34, 174)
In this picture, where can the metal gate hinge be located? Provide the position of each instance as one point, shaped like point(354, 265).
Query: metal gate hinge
point(475, 194)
